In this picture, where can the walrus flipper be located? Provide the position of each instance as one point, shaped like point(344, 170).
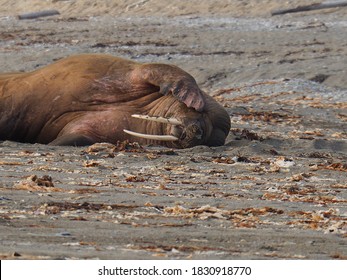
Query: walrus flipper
point(185, 91)
point(173, 80)
point(72, 140)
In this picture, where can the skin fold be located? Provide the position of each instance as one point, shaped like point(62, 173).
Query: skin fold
point(89, 98)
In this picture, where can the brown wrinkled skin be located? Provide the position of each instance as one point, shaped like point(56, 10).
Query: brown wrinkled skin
point(84, 99)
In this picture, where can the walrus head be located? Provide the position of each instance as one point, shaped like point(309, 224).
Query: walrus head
point(183, 127)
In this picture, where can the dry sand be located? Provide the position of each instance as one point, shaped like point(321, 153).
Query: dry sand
point(276, 190)
point(73, 8)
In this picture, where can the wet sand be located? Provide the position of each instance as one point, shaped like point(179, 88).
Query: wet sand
point(276, 190)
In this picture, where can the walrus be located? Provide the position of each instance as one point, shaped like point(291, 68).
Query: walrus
point(88, 98)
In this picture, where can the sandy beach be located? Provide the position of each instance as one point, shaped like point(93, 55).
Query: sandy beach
point(276, 190)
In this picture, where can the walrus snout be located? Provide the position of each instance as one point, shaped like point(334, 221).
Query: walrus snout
point(191, 133)
point(183, 133)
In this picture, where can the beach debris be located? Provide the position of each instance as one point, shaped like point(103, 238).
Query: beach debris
point(35, 183)
point(109, 150)
point(311, 7)
point(39, 14)
point(246, 134)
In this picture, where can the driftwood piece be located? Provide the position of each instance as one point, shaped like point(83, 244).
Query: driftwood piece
point(34, 15)
point(315, 6)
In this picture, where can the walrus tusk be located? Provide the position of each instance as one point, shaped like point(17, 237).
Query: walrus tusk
point(151, 136)
point(158, 119)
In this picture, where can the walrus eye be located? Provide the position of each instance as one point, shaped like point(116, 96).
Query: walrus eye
point(173, 121)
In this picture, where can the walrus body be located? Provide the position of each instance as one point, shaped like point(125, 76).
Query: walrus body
point(84, 99)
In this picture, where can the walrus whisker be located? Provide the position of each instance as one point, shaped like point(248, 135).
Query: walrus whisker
point(151, 136)
point(158, 119)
